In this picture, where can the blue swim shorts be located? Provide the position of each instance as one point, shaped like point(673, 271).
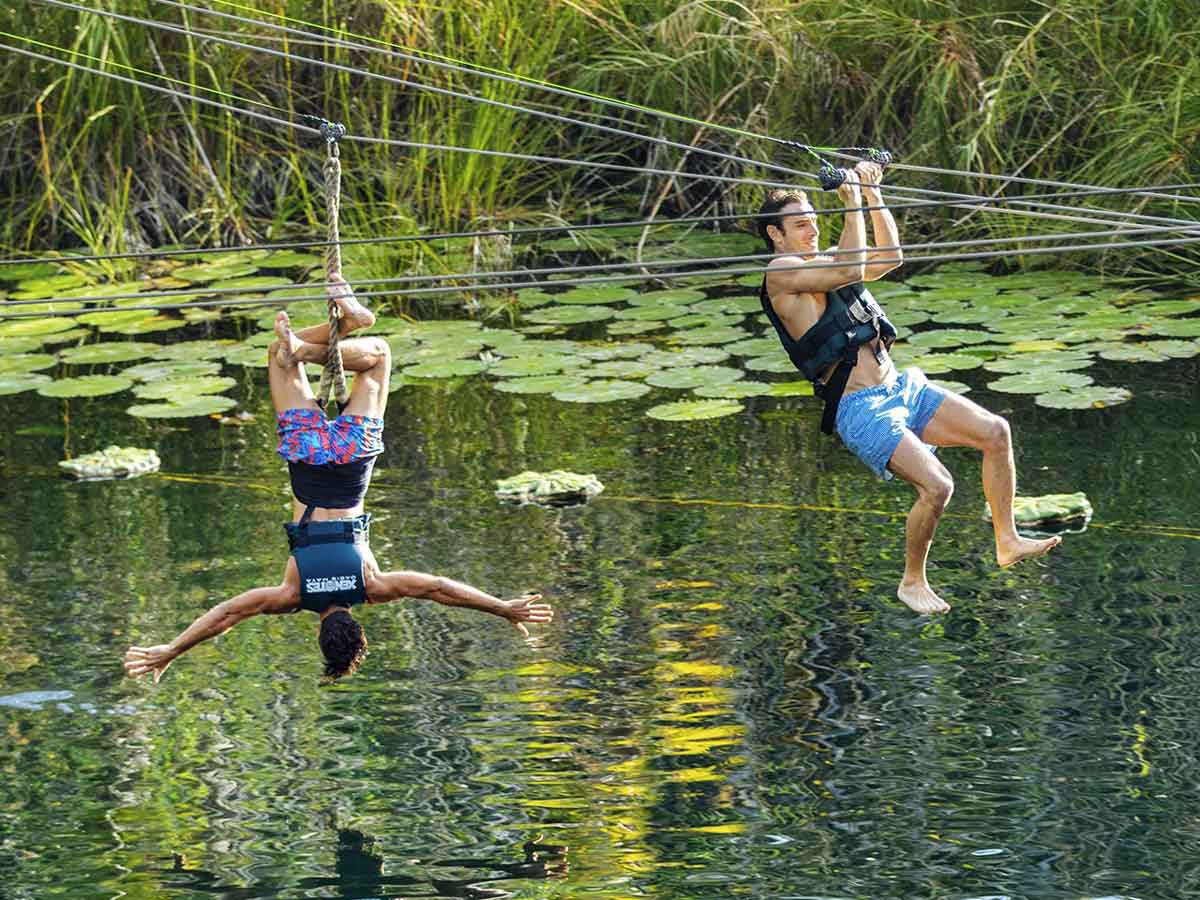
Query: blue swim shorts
point(871, 422)
point(306, 436)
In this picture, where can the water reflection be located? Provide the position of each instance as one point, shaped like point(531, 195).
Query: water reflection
point(359, 873)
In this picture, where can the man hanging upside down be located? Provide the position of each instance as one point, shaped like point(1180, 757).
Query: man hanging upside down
point(838, 336)
point(331, 567)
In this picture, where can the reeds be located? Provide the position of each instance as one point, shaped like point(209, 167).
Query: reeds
point(1097, 93)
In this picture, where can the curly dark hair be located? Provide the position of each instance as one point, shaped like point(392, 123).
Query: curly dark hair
point(775, 201)
point(343, 644)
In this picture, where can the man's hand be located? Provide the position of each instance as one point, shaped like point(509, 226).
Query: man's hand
point(526, 609)
point(871, 176)
point(850, 194)
point(140, 660)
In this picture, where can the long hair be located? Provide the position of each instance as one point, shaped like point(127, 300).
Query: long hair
point(776, 200)
point(343, 644)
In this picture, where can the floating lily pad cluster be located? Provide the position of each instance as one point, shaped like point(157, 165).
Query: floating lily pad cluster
point(1032, 333)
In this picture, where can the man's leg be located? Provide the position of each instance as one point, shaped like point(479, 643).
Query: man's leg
point(355, 316)
point(959, 422)
point(370, 358)
point(289, 384)
point(913, 462)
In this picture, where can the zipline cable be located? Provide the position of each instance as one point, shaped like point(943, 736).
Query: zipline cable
point(459, 66)
point(552, 160)
point(558, 270)
point(609, 279)
point(522, 230)
point(404, 82)
point(496, 153)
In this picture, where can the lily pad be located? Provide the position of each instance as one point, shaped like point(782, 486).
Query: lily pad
point(19, 383)
point(180, 387)
point(676, 296)
point(32, 327)
point(25, 362)
point(1039, 382)
point(706, 320)
point(1134, 353)
point(10, 346)
point(289, 259)
point(779, 364)
point(241, 355)
point(1051, 511)
point(570, 315)
point(682, 378)
point(111, 462)
point(451, 368)
point(112, 352)
point(594, 294)
point(947, 338)
point(116, 317)
point(65, 337)
point(687, 356)
point(603, 391)
point(155, 371)
point(49, 285)
point(955, 387)
point(1091, 397)
point(1176, 349)
point(1058, 361)
point(735, 390)
point(652, 313)
point(723, 335)
point(539, 384)
point(615, 350)
point(540, 364)
point(632, 327)
point(202, 405)
point(189, 351)
point(760, 346)
point(622, 368)
point(145, 326)
point(792, 389)
point(532, 298)
point(730, 306)
point(1175, 328)
point(555, 488)
point(26, 271)
point(201, 273)
point(692, 410)
point(86, 386)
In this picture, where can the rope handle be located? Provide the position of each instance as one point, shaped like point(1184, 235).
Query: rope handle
point(333, 374)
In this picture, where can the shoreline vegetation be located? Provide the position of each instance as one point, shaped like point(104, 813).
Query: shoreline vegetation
point(1071, 93)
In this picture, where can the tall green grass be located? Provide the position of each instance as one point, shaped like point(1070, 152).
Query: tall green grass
point(1076, 91)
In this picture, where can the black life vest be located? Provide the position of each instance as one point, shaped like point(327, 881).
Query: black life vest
point(852, 317)
point(329, 560)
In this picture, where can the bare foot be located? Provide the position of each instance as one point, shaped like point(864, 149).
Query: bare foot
point(354, 314)
point(1024, 548)
point(920, 598)
point(288, 354)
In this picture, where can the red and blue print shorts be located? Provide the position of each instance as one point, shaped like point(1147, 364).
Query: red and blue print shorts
point(306, 436)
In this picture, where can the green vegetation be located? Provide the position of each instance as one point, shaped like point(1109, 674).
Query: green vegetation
point(1101, 94)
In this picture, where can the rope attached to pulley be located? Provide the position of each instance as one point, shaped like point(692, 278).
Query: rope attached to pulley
point(333, 375)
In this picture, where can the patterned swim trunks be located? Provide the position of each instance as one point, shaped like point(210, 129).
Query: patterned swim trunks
point(872, 422)
point(306, 436)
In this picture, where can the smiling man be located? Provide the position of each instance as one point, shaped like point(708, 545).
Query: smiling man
point(331, 568)
point(838, 336)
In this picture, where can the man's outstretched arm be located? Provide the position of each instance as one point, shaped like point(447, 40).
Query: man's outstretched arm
point(218, 620)
point(879, 262)
point(387, 586)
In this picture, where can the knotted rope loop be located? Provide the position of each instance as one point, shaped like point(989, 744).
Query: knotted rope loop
point(333, 375)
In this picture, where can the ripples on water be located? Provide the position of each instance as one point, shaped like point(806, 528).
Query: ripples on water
point(729, 704)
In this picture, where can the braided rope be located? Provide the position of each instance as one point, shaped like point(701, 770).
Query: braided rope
point(333, 376)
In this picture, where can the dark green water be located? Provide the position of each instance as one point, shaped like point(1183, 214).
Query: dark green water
point(729, 704)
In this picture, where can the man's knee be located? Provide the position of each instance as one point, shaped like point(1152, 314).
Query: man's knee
point(997, 435)
point(938, 490)
point(382, 351)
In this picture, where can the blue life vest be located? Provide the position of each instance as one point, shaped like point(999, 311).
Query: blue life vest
point(330, 562)
point(852, 317)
